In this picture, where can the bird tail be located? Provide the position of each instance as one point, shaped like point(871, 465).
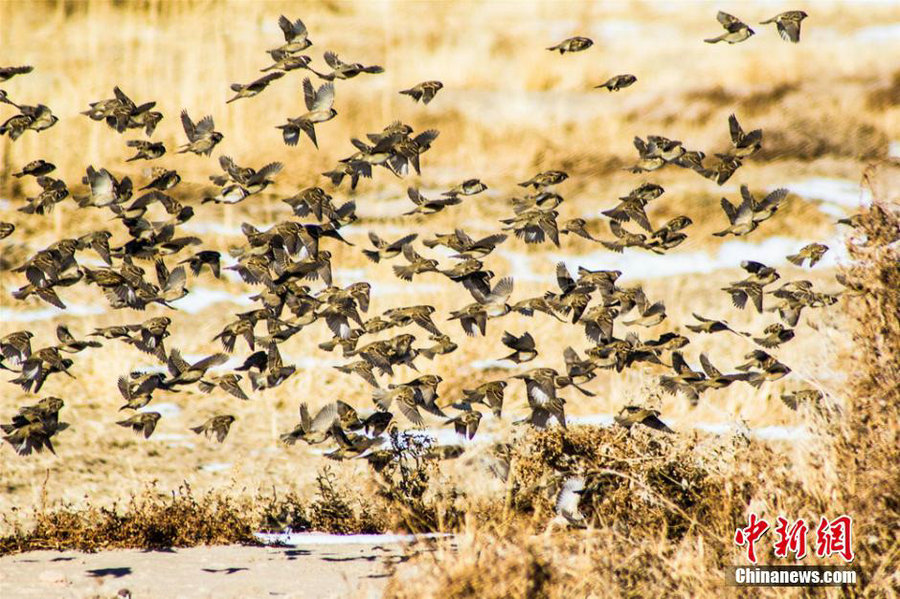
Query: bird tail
point(372, 255)
point(714, 40)
point(796, 259)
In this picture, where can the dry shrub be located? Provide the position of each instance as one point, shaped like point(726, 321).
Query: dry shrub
point(410, 490)
point(149, 521)
point(868, 441)
point(339, 510)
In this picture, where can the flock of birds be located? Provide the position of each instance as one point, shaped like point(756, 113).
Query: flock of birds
point(283, 261)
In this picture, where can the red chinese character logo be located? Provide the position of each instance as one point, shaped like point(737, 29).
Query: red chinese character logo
point(835, 537)
point(791, 539)
point(749, 535)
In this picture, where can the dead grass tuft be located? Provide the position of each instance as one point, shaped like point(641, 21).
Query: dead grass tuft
point(151, 520)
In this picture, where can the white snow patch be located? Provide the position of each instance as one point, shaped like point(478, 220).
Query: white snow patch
point(894, 149)
point(48, 313)
point(489, 364)
point(889, 33)
point(216, 466)
point(318, 538)
point(841, 192)
point(165, 409)
point(201, 298)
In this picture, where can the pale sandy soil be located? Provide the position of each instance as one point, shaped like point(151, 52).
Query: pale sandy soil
point(308, 571)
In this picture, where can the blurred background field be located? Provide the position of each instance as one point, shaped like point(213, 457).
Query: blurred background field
point(828, 106)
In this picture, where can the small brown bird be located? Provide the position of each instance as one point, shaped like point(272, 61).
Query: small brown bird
point(523, 347)
point(230, 383)
point(285, 61)
point(16, 347)
point(162, 179)
point(648, 157)
point(630, 415)
point(7, 73)
point(788, 24)
point(420, 315)
point(775, 335)
point(202, 136)
point(40, 365)
point(417, 264)
point(296, 37)
point(598, 323)
point(812, 252)
point(426, 206)
point(425, 91)
point(363, 368)
point(460, 241)
point(576, 226)
point(650, 314)
point(723, 170)
point(217, 425)
point(540, 389)
point(534, 226)
point(469, 187)
point(474, 317)
point(489, 394)
point(743, 144)
point(625, 239)
point(405, 397)
point(34, 437)
point(254, 87)
point(69, 344)
point(545, 179)
point(313, 430)
point(142, 423)
point(466, 424)
point(320, 108)
point(343, 70)
point(535, 304)
point(618, 82)
point(572, 44)
point(385, 250)
point(137, 389)
point(146, 150)
point(709, 325)
point(443, 345)
point(185, 374)
point(802, 396)
point(36, 168)
point(735, 30)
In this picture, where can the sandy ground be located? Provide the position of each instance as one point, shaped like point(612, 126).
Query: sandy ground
point(309, 570)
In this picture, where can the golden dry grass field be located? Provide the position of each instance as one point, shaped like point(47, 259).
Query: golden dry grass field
point(828, 107)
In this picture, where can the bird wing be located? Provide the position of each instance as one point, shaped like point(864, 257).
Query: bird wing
point(324, 99)
point(188, 125)
point(309, 93)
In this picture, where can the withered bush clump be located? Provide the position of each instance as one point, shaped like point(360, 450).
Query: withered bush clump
point(338, 510)
point(868, 442)
point(410, 490)
point(640, 481)
point(148, 521)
